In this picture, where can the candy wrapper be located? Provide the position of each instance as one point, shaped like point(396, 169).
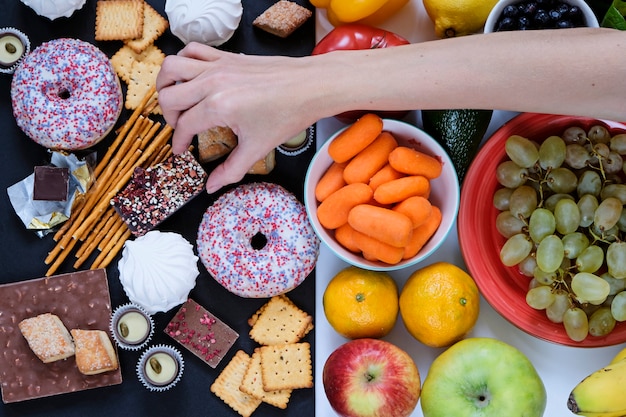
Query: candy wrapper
point(43, 216)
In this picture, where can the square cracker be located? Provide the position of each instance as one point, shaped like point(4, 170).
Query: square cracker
point(142, 77)
point(286, 366)
point(279, 321)
point(125, 57)
point(119, 19)
point(154, 25)
point(252, 384)
point(226, 385)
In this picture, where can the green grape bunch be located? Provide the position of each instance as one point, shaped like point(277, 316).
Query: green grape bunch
point(561, 210)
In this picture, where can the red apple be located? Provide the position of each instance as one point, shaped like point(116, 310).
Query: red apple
point(371, 377)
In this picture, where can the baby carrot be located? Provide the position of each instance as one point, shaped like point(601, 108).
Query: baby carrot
point(355, 138)
point(331, 181)
point(386, 225)
point(416, 208)
point(333, 211)
point(413, 162)
point(345, 236)
point(367, 162)
point(398, 190)
point(422, 233)
point(386, 173)
point(374, 248)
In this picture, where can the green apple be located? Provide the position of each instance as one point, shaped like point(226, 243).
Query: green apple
point(482, 377)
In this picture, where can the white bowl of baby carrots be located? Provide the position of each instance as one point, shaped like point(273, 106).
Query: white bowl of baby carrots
point(381, 194)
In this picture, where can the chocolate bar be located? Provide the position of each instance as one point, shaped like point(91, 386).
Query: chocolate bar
point(201, 333)
point(155, 193)
point(80, 300)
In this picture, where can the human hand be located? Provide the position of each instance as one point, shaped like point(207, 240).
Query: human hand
point(258, 97)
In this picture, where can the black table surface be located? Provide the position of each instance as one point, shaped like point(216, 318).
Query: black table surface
point(22, 253)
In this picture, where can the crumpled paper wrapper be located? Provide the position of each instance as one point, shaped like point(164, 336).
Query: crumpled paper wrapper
point(43, 216)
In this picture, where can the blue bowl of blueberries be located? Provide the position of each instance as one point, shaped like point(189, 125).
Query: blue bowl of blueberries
point(509, 15)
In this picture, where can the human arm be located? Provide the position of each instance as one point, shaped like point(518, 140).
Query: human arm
point(267, 100)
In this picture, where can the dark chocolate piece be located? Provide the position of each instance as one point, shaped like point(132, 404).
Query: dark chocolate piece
point(201, 333)
point(51, 183)
point(82, 301)
point(155, 193)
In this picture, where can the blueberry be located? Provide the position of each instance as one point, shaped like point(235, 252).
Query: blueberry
point(563, 8)
point(510, 11)
point(524, 23)
point(541, 18)
point(576, 16)
point(564, 24)
point(530, 8)
point(554, 14)
point(506, 23)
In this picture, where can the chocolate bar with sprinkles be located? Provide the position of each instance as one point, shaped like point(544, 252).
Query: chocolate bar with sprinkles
point(200, 332)
point(155, 193)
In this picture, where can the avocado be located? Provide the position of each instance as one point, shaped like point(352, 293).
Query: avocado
point(459, 131)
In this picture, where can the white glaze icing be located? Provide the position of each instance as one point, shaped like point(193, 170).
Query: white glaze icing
point(54, 9)
point(158, 270)
point(211, 22)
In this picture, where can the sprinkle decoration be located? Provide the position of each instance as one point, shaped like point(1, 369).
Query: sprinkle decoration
point(66, 95)
point(230, 227)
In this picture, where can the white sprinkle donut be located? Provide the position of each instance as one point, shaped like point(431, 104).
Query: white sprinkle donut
point(227, 247)
point(66, 95)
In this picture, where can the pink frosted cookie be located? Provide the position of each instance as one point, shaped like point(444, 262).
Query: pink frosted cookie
point(257, 242)
point(66, 95)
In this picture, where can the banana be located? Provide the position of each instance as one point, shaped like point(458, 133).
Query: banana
point(620, 355)
point(601, 394)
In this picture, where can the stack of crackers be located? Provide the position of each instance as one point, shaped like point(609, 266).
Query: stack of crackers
point(279, 365)
point(138, 62)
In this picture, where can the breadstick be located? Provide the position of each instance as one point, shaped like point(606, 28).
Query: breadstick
point(60, 258)
point(89, 245)
point(104, 253)
point(97, 232)
point(91, 200)
point(125, 128)
point(112, 252)
point(163, 136)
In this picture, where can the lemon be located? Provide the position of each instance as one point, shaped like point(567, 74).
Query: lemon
point(439, 304)
point(360, 303)
point(458, 17)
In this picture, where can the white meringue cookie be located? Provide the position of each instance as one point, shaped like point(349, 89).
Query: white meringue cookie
point(54, 9)
point(158, 270)
point(211, 22)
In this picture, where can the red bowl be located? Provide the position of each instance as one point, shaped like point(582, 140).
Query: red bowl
point(503, 287)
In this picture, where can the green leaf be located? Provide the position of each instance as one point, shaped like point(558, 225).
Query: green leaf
point(614, 17)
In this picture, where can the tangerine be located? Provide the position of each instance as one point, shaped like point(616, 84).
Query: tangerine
point(439, 304)
point(360, 303)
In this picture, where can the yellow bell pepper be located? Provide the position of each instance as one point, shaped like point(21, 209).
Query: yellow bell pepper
point(371, 12)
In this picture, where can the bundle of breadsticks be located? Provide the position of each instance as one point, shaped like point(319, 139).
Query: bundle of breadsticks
point(94, 225)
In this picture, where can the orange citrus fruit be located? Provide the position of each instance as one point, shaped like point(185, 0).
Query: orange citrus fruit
point(439, 304)
point(361, 303)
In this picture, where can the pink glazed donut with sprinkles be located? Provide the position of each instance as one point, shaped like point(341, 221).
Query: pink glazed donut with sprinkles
point(66, 95)
point(257, 242)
